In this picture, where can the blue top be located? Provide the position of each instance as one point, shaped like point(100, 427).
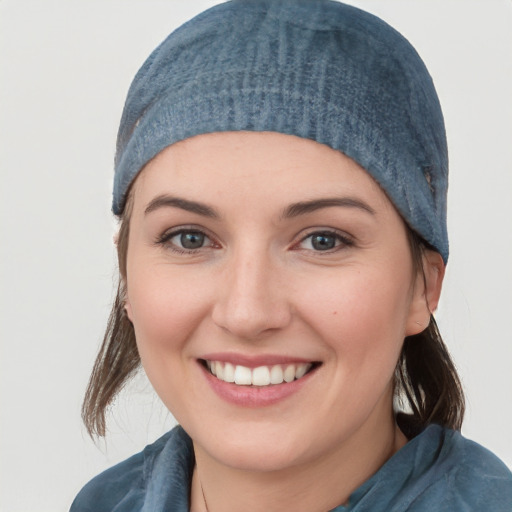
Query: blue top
point(439, 470)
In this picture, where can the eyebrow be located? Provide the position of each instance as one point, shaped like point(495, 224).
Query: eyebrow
point(178, 202)
point(304, 207)
point(293, 210)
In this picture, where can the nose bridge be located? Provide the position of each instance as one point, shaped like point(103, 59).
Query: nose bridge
point(253, 300)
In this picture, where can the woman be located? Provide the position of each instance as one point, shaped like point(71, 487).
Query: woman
point(281, 179)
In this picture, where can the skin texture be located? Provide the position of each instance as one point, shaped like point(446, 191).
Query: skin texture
point(258, 286)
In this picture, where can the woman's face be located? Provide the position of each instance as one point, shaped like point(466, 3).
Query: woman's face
point(274, 260)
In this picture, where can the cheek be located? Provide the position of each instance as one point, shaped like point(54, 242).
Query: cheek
point(360, 316)
point(166, 311)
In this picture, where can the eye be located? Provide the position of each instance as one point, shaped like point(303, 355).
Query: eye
point(189, 240)
point(324, 241)
point(185, 240)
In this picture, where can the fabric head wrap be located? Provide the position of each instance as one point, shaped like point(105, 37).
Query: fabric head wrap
point(317, 69)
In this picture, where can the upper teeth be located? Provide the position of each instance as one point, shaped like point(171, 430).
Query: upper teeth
point(260, 376)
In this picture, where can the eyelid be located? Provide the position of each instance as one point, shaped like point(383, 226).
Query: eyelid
point(342, 236)
point(165, 238)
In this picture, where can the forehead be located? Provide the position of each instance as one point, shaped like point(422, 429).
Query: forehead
point(260, 165)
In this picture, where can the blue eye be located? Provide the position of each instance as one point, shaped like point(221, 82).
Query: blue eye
point(189, 239)
point(185, 240)
point(324, 241)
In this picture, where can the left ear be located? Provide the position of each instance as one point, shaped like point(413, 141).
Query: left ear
point(427, 289)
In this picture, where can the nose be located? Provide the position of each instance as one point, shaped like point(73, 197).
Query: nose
point(252, 301)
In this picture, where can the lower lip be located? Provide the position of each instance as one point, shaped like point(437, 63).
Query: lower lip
point(254, 396)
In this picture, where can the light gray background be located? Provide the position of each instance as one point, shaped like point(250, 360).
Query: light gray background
point(65, 69)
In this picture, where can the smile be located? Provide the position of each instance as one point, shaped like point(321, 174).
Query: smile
point(260, 376)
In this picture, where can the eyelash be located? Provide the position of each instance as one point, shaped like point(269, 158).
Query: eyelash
point(165, 240)
point(341, 240)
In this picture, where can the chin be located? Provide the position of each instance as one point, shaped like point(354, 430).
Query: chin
point(265, 454)
point(262, 446)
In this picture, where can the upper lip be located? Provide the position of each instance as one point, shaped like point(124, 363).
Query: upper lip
point(254, 361)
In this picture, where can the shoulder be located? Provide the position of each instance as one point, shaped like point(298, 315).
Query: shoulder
point(123, 487)
point(466, 477)
point(123, 482)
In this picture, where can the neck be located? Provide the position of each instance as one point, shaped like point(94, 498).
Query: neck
point(220, 488)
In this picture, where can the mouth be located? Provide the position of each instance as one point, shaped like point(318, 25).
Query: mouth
point(260, 376)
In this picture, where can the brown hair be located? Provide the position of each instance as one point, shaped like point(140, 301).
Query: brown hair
point(427, 385)
point(426, 381)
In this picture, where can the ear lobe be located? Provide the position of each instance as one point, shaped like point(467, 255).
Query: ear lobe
point(426, 293)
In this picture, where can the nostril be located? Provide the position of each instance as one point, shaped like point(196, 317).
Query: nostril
point(247, 321)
